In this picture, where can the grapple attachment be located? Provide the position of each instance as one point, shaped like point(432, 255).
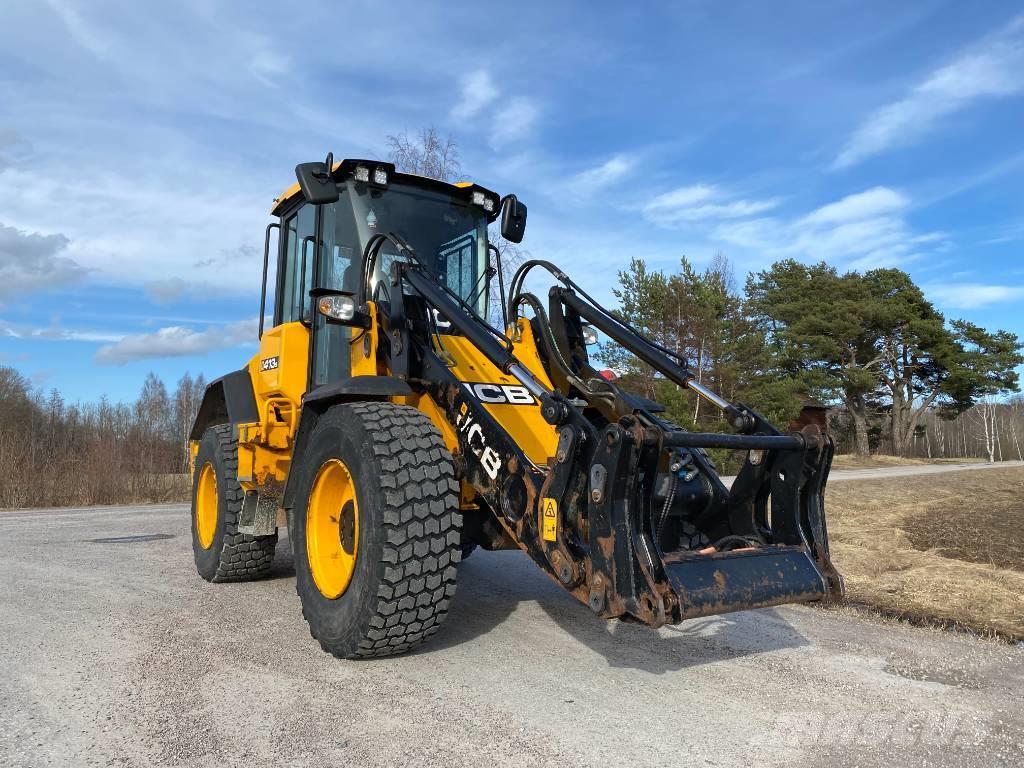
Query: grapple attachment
point(669, 541)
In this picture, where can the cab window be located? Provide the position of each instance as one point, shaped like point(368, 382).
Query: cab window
point(294, 283)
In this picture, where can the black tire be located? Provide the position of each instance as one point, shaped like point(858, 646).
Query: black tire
point(409, 525)
point(233, 556)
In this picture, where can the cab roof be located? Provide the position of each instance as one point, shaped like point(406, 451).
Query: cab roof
point(293, 194)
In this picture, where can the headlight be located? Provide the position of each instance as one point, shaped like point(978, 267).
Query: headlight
point(361, 173)
point(589, 335)
point(337, 307)
point(380, 177)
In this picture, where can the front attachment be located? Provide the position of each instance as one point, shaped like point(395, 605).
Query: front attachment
point(720, 582)
point(669, 542)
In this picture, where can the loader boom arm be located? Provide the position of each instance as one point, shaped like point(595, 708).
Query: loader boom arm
point(596, 516)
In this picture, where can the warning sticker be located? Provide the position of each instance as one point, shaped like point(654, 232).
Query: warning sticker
point(550, 507)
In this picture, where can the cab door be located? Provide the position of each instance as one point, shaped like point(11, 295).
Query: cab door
point(339, 257)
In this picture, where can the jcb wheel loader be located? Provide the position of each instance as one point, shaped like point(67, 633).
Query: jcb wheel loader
point(391, 428)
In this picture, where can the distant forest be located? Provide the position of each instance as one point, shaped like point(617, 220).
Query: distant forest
point(56, 453)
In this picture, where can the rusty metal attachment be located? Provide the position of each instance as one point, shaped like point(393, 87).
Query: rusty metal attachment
point(629, 514)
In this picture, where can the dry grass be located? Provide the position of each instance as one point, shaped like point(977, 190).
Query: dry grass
point(942, 548)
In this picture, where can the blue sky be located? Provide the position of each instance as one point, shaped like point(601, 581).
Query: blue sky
point(141, 146)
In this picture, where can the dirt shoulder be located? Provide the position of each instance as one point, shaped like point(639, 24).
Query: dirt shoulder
point(946, 548)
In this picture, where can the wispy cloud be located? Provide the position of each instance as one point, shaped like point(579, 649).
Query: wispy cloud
point(177, 341)
point(55, 332)
point(700, 202)
point(877, 201)
point(864, 230)
point(972, 295)
point(593, 180)
point(267, 65)
point(991, 68)
point(80, 29)
point(514, 121)
point(169, 290)
point(478, 91)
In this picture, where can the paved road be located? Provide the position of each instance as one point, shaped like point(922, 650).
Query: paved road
point(906, 470)
point(116, 653)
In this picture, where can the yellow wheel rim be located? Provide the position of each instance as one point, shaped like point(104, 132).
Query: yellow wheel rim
point(206, 506)
point(332, 529)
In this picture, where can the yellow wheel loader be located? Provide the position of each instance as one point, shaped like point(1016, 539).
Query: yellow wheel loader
point(393, 429)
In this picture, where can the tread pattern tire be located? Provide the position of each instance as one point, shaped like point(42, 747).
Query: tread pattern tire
point(233, 556)
point(409, 530)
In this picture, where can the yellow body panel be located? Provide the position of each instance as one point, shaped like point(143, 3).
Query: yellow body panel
point(279, 374)
point(524, 423)
point(364, 350)
point(289, 343)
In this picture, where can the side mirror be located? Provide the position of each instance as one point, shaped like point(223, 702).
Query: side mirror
point(315, 181)
point(513, 219)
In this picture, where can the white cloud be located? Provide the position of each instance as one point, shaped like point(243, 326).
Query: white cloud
point(972, 295)
point(992, 68)
point(514, 121)
point(478, 91)
point(862, 205)
point(55, 332)
point(177, 341)
point(593, 180)
point(862, 231)
point(700, 202)
point(127, 230)
point(31, 262)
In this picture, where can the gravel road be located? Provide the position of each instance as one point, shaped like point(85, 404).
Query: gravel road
point(116, 653)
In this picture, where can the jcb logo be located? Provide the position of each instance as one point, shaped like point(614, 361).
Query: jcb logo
point(508, 394)
point(477, 443)
point(269, 364)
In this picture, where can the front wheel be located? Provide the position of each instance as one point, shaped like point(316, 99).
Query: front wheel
point(375, 529)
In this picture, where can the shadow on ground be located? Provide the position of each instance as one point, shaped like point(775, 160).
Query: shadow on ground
point(492, 585)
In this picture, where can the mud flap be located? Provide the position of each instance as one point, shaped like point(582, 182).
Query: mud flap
point(735, 581)
point(258, 516)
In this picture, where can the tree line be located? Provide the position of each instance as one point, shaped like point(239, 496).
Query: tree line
point(868, 342)
point(57, 453)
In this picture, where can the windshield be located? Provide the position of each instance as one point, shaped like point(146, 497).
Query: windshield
point(449, 235)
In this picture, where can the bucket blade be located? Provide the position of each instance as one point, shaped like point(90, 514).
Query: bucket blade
point(736, 581)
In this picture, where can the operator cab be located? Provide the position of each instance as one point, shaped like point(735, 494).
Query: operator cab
point(329, 218)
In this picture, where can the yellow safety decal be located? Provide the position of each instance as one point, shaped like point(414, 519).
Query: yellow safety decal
point(550, 507)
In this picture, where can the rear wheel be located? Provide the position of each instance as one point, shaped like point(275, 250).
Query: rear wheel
point(375, 529)
point(222, 553)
